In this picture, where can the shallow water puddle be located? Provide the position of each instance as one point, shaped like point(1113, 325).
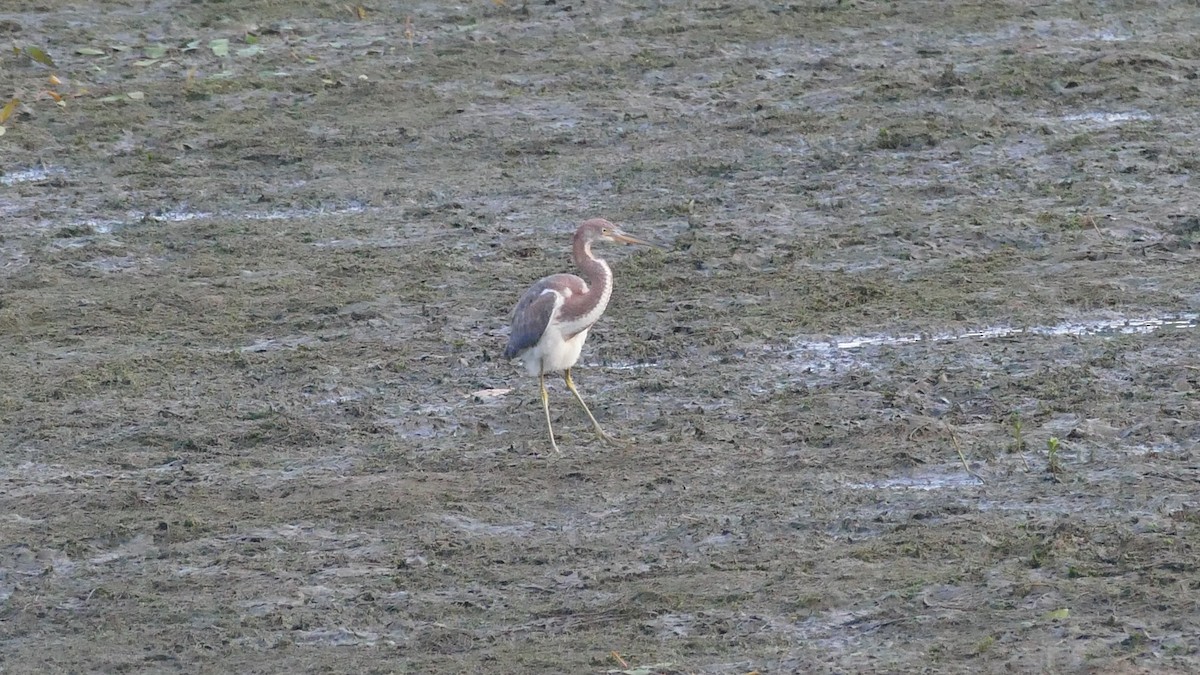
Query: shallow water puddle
point(484, 529)
point(109, 226)
point(276, 344)
point(839, 352)
point(38, 174)
point(622, 365)
point(342, 398)
point(1103, 120)
point(414, 428)
point(926, 481)
point(345, 637)
point(30, 175)
point(1076, 328)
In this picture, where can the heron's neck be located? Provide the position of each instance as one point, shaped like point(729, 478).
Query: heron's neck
point(595, 271)
point(588, 307)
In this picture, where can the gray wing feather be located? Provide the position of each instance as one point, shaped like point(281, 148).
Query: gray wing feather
point(530, 319)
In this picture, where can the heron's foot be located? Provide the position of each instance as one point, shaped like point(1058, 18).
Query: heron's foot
point(610, 439)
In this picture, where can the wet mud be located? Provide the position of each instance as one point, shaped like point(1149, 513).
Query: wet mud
point(255, 292)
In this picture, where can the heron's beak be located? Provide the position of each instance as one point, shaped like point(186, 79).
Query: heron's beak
point(622, 238)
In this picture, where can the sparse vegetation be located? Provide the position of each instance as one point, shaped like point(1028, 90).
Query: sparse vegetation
point(1054, 465)
point(256, 274)
point(1018, 438)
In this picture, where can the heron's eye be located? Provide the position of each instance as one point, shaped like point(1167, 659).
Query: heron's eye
point(606, 231)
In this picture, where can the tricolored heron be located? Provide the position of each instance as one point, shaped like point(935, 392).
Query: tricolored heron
point(552, 319)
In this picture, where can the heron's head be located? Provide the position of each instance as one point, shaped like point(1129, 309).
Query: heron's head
point(599, 229)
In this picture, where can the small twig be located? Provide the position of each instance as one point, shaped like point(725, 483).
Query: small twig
point(1025, 460)
point(961, 456)
point(620, 661)
point(954, 439)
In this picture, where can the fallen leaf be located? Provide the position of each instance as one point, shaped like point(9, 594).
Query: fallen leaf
point(89, 51)
point(39, 55)
point(120, 48)
point(219, 47)
point(1058, 614)
point(249, 51)
point(136, 95)
point(155, 51)
point(7, 111)
point(193, 45)
point(54, 81)
point(3, 130)
point(108, 99)
point(488, 393)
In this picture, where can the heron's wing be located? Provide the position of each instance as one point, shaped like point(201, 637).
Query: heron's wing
point(530, 319)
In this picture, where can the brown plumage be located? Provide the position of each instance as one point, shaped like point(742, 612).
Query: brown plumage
point(551, 320)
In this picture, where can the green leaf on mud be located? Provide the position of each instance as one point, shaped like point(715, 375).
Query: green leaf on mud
point(155, 51)
point(145, 62)
point(219, 47)
point(108, 99)
point(3, 130)
point(89, 51)
point(249, 51)
point(191, 46)
point(9, 108)
point(120, 48)
point(251, 39)
point(1058, 614)
point(39, 55)
point(136, 95)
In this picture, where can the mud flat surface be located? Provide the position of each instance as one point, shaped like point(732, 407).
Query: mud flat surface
point(254, 292)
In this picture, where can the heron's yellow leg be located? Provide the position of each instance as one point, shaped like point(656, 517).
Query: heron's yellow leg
point(546, 407)
point(599, 431)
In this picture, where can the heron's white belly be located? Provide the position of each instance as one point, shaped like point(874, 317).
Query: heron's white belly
point(553, 353)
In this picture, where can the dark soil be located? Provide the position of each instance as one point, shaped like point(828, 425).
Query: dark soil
point(252, 306)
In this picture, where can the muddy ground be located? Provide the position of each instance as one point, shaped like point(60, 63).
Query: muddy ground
point(254, 294)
